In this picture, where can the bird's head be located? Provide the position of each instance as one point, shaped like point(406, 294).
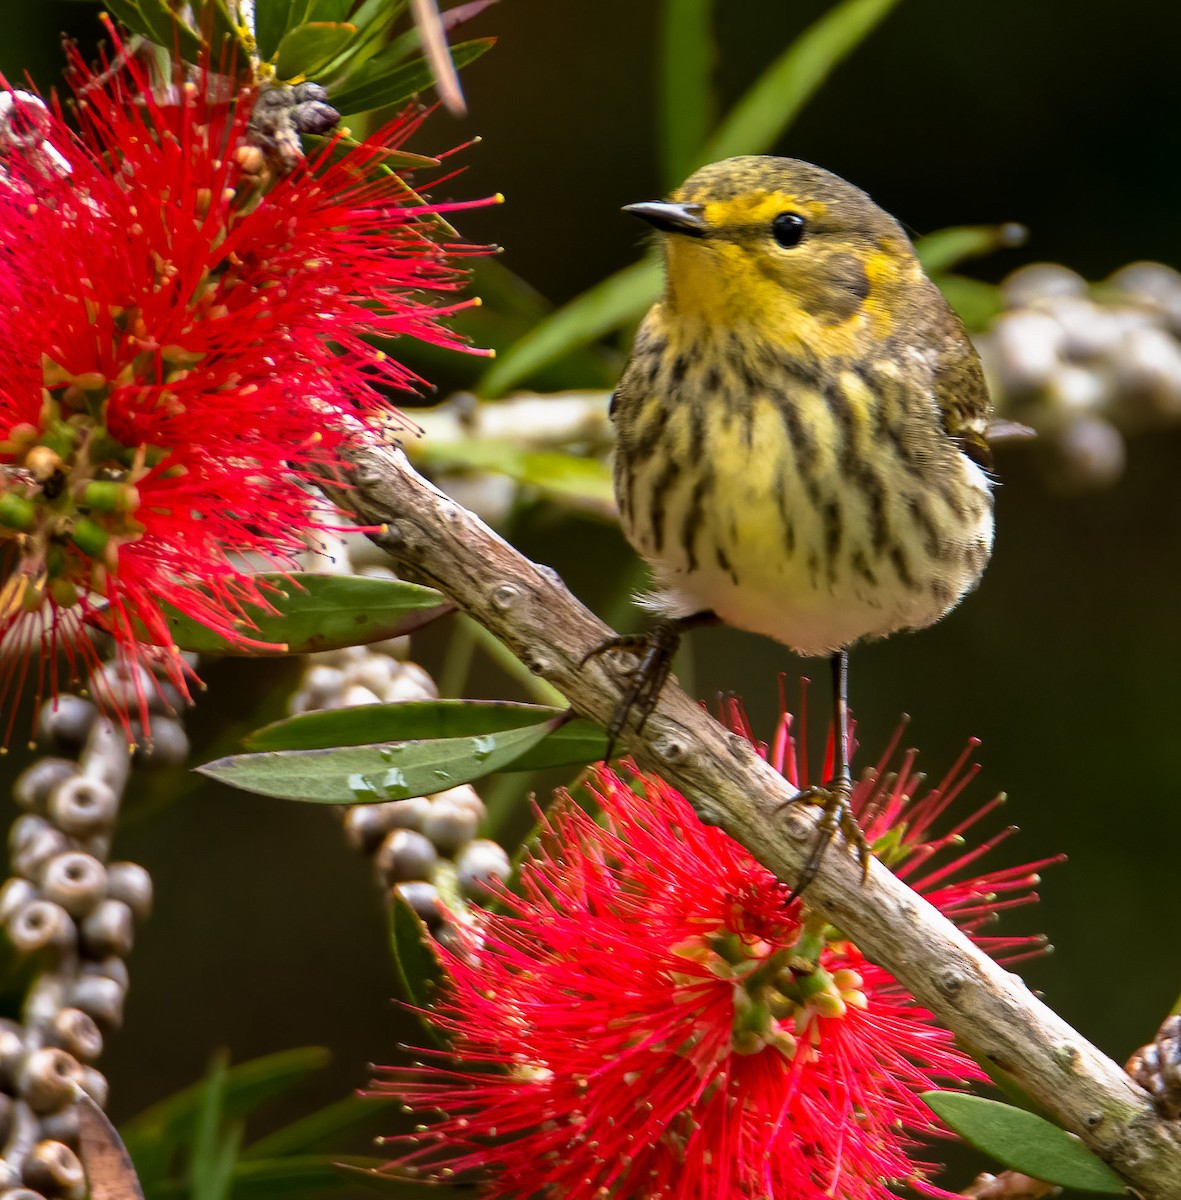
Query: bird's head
point(776, 241)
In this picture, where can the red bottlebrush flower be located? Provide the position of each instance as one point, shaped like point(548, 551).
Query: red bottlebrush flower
point(650, 1018)
point(182, 344)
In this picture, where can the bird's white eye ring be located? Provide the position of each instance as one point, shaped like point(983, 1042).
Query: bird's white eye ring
point(788, 229)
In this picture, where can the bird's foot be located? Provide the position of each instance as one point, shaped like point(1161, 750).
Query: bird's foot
point(654, 652)
point(837, 816)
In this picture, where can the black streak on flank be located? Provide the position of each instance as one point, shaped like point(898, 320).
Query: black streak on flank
point(902, 568)
point(691, 525)
point(833, 528)
point(725, 564)
point(660, 490)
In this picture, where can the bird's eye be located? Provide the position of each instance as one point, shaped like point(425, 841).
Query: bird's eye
point(788, 228)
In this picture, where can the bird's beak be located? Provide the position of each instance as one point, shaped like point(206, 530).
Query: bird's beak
point(669, 217)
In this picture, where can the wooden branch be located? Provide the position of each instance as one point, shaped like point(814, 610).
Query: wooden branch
point(527, 606)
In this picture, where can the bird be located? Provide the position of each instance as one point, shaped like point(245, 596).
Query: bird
point(801, 436)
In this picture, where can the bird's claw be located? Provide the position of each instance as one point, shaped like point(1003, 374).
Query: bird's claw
point(837, 816)
point(654, 652)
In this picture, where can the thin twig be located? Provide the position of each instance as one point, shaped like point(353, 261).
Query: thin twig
point(529, 609)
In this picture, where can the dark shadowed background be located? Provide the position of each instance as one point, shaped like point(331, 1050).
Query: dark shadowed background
point(1067, 662)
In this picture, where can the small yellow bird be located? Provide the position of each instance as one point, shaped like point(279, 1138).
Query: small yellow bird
point(801, 433)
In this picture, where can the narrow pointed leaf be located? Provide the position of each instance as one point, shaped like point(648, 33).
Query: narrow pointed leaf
point(170, 1123)
point(572, 743)
point(272, 18)
point(405, 721)
point(770, 105)
point(977, 302)
point(158, 23)
point(946, 248)
point(568, 476)
point(387, 83)
point(370, 774)
point(318, 612)
point(109, 1170)
point(309, 48)
point(306, 1174)
point(609, 305)
point(1025, 1142)
point(687, 100)
point(308, 1133)
point(419, 971)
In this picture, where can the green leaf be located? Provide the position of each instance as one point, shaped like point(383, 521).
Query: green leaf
point(687, 99)
point(383, 83)
point(257, 1179)
point(976, 302)
point(308, 1133)
point(1025, 1142)
point(309, 48)
point(418, 967)
point(404, 721)
point(946, 248)
point(156, 1134)
point(272, 19)
point(572, 743)
point(212, 1155)
point(568, 476)
point(317, 612)
point(373, 773)
point(329, 10)
point(772, 102)
point(609, 305)
point(154, 20)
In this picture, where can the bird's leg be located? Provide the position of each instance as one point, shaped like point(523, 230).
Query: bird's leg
point(833, 796)
point(655, 651)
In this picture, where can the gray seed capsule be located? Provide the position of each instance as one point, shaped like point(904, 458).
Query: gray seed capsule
point(1028, 348)
point(99, 997)
point(95, 1085)
point(61, 1126)
point(451, 823)
point(405, 855)
point(77, 1033)
point(423, 898)
point(1038, 281)
point(12, 1051)
point(54, 1168)
point(47, 1078)
point(109, 929)
point(67, 719)
point(31, 858)
point(123, 686)
point(168, 745)
point(411, 683)
point(14, 895)
point(109, 968)
point(1088, 452)
point(131, 883)
point(32, 788)
point(83, 806)
point(479, 864)
point(376, 672)
point(74, 880)
point(40, 925)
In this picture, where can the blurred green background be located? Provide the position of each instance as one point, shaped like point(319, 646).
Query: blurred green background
point(1067, 662)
